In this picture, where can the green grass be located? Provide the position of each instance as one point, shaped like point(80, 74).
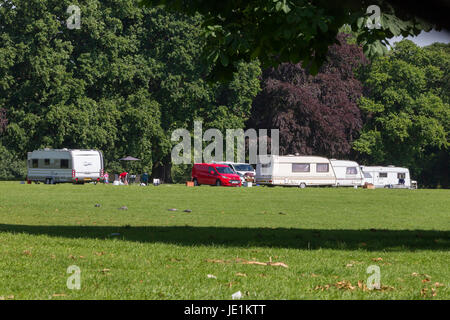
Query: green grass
point(327, 237)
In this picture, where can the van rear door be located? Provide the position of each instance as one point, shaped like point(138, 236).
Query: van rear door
point(87, 165)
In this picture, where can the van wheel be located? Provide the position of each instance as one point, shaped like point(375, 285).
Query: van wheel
point(218, 183)
point(196, 183)
point(302, 185)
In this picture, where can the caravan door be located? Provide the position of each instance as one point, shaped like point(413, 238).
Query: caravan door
point(381, 179)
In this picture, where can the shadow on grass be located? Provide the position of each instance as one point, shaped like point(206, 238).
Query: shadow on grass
point(392, 240)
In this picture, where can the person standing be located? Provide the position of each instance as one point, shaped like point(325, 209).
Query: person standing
point(144, 178)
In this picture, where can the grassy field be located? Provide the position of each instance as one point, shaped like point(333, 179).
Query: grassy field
point(268, 243)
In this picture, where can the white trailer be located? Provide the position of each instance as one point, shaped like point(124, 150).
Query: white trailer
point(388, 177)
point(64, 165)
point(299, 171)
point(348, 173)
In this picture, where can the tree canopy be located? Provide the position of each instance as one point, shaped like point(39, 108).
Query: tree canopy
point(407, 112)
point(277, 31)
point(130, 75)
point(315, 114)
point(121, 83)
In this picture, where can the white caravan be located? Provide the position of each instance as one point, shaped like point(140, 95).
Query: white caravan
point(64, 165)
point(244, 170)
point(388, 177)
point(300, 171)
point(348, 173)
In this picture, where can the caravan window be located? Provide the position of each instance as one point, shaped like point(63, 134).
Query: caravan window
point(351, 170)
point(300, 167)
point(401, 175)
point(367, 175)
point(47, 162)
point(35, 163)
point(383, 174)
point(322, 167)
point(265, 168)
point(64, 164)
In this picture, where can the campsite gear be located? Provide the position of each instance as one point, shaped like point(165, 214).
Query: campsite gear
point(129, 159)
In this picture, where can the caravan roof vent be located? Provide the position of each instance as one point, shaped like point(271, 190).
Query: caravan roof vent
point(297, 154)
point(390, 166)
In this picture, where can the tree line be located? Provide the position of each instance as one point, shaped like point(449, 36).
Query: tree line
point(131, 75)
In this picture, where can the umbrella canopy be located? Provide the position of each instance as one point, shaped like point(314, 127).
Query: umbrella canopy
point(129, 158)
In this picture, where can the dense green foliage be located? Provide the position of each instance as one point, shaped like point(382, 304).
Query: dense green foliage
point(131, 75)
point(407, 111)
point(11, 167)
point(276, 31)
point(121, 83)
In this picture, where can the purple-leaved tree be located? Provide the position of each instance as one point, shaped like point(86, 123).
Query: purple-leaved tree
point(315, 114)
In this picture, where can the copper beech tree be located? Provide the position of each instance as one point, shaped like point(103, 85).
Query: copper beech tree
point(315, 114)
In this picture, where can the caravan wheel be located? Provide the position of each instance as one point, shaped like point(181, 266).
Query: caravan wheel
point(302, 185)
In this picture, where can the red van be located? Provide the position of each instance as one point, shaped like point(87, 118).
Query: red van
point(214, 174)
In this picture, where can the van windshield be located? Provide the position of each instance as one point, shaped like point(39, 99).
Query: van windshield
point(243, 167)
point(224, 170)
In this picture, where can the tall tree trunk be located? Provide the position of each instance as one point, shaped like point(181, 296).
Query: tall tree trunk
point(162, 170)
